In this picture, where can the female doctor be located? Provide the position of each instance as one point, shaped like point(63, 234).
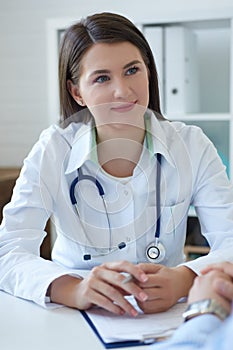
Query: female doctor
point(117, 180)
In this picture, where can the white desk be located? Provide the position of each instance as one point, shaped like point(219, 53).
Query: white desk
point(26, 326)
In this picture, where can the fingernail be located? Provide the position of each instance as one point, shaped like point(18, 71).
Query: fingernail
point(143, 277)
point(143, 296)
point(134, 312)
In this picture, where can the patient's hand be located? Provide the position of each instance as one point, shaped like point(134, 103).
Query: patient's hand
point(204, 287)
point(222, 286)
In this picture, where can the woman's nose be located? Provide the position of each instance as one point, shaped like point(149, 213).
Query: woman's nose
point(121, 89)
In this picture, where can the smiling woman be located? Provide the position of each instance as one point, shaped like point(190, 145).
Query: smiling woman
point(112, 73)
point(118, 180)
point(86, 34)
point(113, 81)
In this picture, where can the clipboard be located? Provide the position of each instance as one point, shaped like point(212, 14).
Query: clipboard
point(115, 344)
point(136, 331)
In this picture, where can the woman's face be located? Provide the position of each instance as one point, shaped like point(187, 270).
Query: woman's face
point(113, 83)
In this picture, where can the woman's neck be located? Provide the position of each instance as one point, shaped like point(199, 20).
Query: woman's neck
point(119, 151)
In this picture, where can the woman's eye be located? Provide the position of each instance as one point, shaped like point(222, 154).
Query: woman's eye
point(132, 70)
point(102, 79)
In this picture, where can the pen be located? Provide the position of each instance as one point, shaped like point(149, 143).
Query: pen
point(127, 279)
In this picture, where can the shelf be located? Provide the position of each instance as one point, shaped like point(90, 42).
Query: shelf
point(200, 116)
point(193, 252)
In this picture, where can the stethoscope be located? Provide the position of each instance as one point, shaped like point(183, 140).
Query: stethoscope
point(155, 251)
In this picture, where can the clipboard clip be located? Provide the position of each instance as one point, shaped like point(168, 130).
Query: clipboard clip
point(151, 338)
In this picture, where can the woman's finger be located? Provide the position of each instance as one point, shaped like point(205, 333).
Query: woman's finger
point(225, 267)
point(112, 294)
point(116, 280)
point(127, 267)
point(224, 288)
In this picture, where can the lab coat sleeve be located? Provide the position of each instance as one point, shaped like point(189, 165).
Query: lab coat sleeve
point(205, 332)
point(23, 272)
point(213, 201)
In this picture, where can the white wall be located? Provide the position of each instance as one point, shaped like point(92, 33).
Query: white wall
point(23, 56)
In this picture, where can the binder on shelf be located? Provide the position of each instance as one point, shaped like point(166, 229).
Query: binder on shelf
point(181, 68)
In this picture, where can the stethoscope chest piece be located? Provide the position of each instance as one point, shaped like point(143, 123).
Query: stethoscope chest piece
point(155, 253)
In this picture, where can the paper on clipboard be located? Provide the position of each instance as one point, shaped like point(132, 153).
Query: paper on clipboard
point(145, 328)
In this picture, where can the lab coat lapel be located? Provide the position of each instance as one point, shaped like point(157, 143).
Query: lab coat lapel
point(80, 148)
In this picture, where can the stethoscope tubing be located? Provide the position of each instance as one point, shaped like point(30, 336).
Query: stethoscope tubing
point(158, 197)
point(154, 245)
point(80, 177)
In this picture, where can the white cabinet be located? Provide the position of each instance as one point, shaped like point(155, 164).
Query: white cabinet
point(195, 68)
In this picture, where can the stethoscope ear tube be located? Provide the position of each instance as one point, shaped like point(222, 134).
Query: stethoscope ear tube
point(86, 257)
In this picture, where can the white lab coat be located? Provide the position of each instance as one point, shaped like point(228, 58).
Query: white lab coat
point(192, 173)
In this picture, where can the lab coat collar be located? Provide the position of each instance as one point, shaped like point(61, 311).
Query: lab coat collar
point(81, 145)
point(162, 133)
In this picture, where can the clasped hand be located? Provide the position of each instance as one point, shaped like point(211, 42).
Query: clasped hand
point(155, 287)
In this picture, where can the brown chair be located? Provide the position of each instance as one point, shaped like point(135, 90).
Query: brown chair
point(8, 177)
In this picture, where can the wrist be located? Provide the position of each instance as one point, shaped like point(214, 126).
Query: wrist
point(63, 290)
point(186, 280)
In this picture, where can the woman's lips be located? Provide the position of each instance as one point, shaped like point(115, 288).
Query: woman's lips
point(123, 107)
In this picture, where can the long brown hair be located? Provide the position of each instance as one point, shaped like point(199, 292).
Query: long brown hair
point(105, 28)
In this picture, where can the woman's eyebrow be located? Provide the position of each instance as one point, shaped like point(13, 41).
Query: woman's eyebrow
point(132, 63)
point(107, 71)
point(99, 71)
